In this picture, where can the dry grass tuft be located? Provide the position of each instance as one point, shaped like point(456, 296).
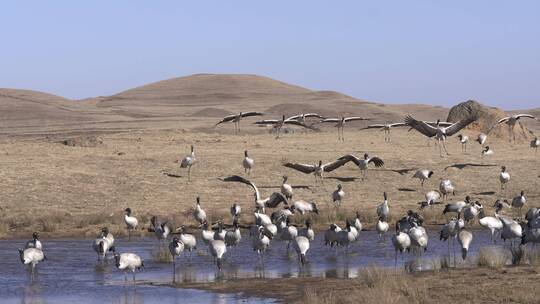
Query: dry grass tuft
point(374, 285)
point(492, 257)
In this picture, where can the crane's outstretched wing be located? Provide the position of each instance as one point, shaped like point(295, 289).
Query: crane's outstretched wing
point(375, 126)
point(227, 119)
point(297, 123)
point(441, 123)
point(356, 118)
point(304, 168)
point(376, 161)
point(248, 114)
point(329, 167)
point(236, 178)
point(329, 120)
point(349, 157)
point(421, 126)
point(453, 129)
point(267, 122)
point(526, 115)
point(305, 115)
point(275, 199)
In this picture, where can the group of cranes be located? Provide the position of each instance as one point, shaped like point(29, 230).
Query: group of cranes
point(410, 234)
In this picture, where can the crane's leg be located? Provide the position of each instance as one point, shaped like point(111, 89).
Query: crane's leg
point(174, 268)
point(189, 173)
point(444, 146)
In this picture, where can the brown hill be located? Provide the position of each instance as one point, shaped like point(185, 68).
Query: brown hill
point(191, 102)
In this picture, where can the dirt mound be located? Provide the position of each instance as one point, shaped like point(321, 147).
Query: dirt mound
point(211, 112)
point(487, 117)
point(83, 141)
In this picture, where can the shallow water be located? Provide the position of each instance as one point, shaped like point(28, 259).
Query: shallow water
point(71, 272)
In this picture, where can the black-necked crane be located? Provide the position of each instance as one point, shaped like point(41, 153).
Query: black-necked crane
point(131, 222)
point(302, 117)
point(423, 175)
point(363, 163)
point(207, 234)
point(530, 235)
point(465, 238)
point(340, 124)
point(273, 201)
point(189, 241)
point(247, 163)
point(304, 207)
point(532, 216)
point(235, 118)
point(282, 213)
point(233, 237)
point(457, 207)
point(289, 233)
point(487, 151)
point(261, 242)
point(160, 227)
point(128, 262)
point(386, 128)
point(34, 242)
point(446, 188)
point(319, 169)
point(381, 227)
point(280, 123)
point(286, 189)
point(176, 247)
point(330, 235)
point(481, 139)
point(217, 250)
point(504, 177)
point(449, 233)
point(419, 238)
point(535, 143)
point(188, 161)
point(519, 201)
point(401, 242)
point(511, 122)
point(235, 211)
point(431, 198)
point(346, 236)
point(357, 222)
point(103, 243)
point(31, 256)
point(307, 231)
point(511, 229)
point(301, 246)
point(383, 211)
point(440, 133)
point(492, 223)
point(220, 233)
point(471, 211)
point(501, 204)
point(338, 195)
point(198, 213)
point(463, 140)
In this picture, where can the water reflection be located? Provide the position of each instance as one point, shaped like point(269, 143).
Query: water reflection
point(72, 273)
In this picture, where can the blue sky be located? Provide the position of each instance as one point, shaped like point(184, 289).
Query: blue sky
point(387, 51)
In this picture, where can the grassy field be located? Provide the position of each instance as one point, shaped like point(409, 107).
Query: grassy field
point(61, 190)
